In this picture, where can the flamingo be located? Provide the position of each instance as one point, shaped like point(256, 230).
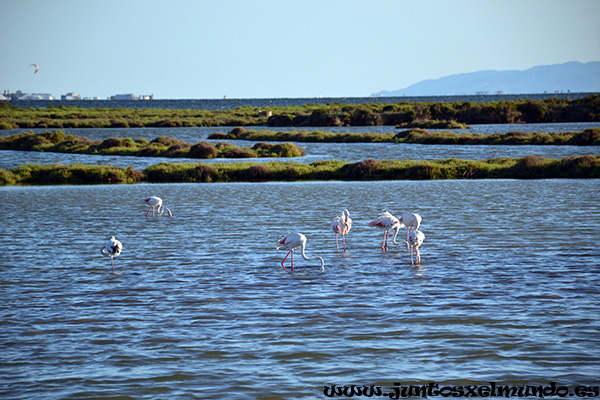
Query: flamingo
point(341, 225)
point(112, 248)
point(387, 222)
point(411, 221)
point(291, 242)
point(155, 204)
point(415, 240)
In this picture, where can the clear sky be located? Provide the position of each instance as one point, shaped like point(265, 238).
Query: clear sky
point(182, 49)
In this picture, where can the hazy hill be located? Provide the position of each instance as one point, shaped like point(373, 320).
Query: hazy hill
point(568, 77)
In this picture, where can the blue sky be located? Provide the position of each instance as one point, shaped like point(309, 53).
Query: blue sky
point(183, 49)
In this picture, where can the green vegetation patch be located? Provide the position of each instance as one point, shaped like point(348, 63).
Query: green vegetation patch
point(589, 137)
point(528, 167)
point(59, 142)
point(429, 115)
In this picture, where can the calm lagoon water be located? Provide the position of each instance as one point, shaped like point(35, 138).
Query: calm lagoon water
point(351, 152)
point(508, 289)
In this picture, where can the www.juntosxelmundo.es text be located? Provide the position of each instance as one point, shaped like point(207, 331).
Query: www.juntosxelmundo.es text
point(492, 389)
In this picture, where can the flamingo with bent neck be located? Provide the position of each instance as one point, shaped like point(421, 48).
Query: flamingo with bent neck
point(155, 204)
point(293, 241)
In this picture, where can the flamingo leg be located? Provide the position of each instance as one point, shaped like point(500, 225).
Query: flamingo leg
point(383, 243)
point(285, 258)
point(418, 255)
point(292, 259)
point(153, 211)
point(344, 240)
point(112, 261)
point(148, 211)
point(337, 246)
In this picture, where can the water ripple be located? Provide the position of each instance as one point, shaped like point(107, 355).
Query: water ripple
point(507, 290)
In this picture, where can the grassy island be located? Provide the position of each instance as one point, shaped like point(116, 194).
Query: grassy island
point(59, 142)
point(442, 115)
point(528, 167)
point(588, 137)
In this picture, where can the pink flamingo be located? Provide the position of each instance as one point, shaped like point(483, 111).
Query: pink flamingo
point(341, 225)
point(112, 248)
point(415, 240)
point(412, 221)
point(155, 204)
point(291, 242)
point(387, 222)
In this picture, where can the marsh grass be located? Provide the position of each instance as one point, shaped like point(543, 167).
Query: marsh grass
point(529, 167)
point(444, 115)
point(58, 141)
point(589, 137)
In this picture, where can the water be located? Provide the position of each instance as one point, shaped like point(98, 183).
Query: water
point(351, 152)
point(508, 289)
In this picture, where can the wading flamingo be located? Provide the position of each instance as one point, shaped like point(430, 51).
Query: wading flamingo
point(112, 248)
point(291, 242)
point(155, 204)
point(387, 222)
point(415, 240)
point(412, 221)
point(341, 225)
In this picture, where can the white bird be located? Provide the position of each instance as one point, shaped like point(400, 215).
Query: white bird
point(112, 248)
point(387, 222)
point(341, 225)
point(155, 204)
point(415, 240)
point(411, 221)
point(291, 242)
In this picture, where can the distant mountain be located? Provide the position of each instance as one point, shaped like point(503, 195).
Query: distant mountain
point(568, 77)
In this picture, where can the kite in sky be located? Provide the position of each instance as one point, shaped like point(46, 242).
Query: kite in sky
point(36, 68)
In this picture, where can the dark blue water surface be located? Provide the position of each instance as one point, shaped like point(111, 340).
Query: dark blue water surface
point(507, 291)
point(352, 152)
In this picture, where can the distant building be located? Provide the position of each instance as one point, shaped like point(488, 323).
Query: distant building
point(129, 96)
point(19, 95)
point(71, 96)
point(37, 96)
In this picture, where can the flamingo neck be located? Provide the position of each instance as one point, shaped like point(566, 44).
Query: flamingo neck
point(161, 212)
point(397, 229)
point(312, 258)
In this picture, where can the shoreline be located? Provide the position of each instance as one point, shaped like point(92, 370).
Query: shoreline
point(232, 102)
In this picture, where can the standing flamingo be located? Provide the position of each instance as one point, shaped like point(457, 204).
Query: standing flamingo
point(341, 225)
point(155, 204)
point(387, 222)
point(415, 240)
point(112, 248)
point(411, 221)
point(291, 242)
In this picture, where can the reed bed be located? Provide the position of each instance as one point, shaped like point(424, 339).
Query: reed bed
point(528, 167)
point(60, 142)
point(588, 137)
point(403, 114)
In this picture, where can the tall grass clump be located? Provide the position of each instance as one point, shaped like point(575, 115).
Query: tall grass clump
point(75, 174)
